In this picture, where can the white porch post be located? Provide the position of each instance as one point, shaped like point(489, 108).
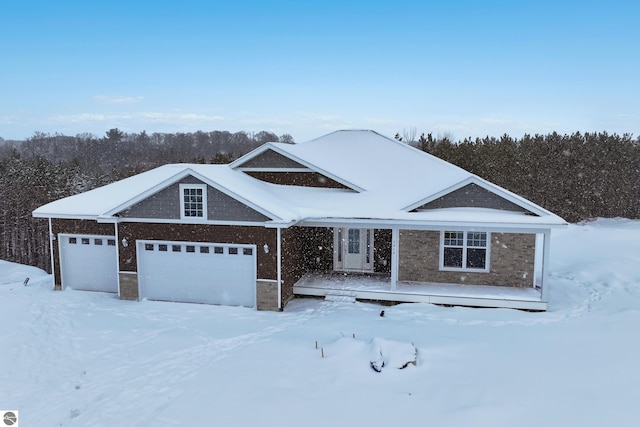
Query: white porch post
point(51, 239)
point(545, 264)
point(395, 239)
point(279, 266)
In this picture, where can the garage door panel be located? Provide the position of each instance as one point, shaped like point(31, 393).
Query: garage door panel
point(88, 262)
point(201, 273)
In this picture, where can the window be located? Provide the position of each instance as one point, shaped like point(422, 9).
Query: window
point(247, 251)
point(176, 248)
point(193, 199)
point(464, 250)
point(233, 251)
point(148, 246)
point(72, 240)
point(204, 249)
point(85, 241)
point(191, 248)
point(97, 242)
point(218, 250)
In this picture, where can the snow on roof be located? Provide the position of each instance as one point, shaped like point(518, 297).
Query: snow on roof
point(390, 175)
point(380, 165)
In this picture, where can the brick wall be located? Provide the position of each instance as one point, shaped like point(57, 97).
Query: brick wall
point(511, 260)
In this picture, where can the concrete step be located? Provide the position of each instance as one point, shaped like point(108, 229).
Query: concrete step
point(340, 296)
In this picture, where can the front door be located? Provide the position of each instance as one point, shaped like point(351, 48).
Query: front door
point(354, 249)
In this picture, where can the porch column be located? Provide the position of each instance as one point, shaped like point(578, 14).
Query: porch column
point(395, 240)
point(51, 239)
point(545, 264)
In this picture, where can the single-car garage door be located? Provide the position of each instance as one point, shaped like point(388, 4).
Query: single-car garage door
point(208, 273)
point(88, 262)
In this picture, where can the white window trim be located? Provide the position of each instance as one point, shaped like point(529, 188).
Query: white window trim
point(203, 187)
point(464, 267)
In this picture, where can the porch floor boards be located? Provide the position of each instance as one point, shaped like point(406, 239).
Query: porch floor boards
point(378, 287)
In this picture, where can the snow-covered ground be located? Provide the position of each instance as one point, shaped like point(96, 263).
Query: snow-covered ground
point(78, 358)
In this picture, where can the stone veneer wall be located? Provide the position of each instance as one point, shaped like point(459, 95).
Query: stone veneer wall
point(511, 262)
point(129, 286)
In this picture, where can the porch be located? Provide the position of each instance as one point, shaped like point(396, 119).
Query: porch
point(378, 287)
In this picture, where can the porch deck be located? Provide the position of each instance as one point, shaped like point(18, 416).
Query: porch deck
point(375, 287)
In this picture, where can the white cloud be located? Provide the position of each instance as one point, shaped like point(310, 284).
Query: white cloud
point(6, 120)
point(144, 117)
point(109, 99)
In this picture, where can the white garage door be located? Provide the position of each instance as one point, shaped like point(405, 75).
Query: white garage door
point(206, 273)
point(88, 263)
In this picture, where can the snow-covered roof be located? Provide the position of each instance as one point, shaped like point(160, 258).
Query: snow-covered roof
point(386, 179)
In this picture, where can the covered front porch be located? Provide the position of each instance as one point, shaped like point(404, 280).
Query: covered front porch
point(379, 287)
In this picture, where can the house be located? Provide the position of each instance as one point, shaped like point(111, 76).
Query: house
point(350, 215)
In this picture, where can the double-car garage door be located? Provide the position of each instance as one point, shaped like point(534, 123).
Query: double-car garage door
point(209, 273)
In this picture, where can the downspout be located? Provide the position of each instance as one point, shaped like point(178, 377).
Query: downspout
point(279, 266)
point(115, 225)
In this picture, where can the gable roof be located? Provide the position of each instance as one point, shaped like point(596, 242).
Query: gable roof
point(104, 202)
point(387, 180)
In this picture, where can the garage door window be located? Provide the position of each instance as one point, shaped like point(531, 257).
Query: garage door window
point(72, 240)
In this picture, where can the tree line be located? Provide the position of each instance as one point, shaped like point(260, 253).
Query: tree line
point(577, 176)
point(47, 167)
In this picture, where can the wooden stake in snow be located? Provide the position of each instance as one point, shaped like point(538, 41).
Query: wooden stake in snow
point(316, 344)
point(354, 335)
point(322, 352)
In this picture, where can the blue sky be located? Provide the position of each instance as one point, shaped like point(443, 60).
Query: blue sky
point(461, 68)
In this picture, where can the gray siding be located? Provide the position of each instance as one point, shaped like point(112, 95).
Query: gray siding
point(166, 204)
point(271, 159)
point(473, 196)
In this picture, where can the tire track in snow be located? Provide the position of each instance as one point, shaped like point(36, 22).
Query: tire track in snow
point(104, 396)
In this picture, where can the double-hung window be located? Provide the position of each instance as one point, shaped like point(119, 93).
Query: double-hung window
point(464, 250)
point(193, 201)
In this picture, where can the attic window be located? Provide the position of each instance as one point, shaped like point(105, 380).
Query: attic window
point(193, 199)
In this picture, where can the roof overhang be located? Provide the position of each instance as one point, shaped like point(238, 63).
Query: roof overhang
point(430, 225)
